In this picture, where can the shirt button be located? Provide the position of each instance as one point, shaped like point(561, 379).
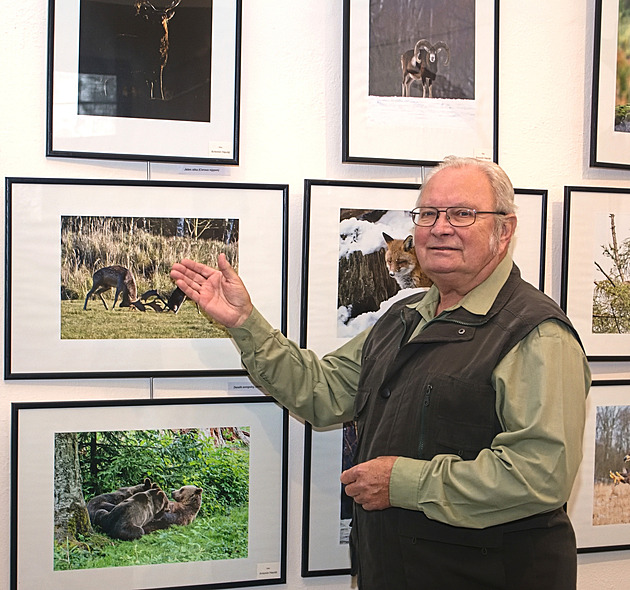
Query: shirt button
point(385, 393)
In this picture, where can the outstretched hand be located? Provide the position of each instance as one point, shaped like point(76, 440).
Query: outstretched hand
point(219, 292)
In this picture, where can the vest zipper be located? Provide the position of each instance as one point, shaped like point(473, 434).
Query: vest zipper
point(403, 338)
point(423, 418)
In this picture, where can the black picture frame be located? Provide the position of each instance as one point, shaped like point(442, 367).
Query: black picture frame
point(596, 505)
point(382, 127)
point(249, 222)
point(122, 84)
point(35, 428)
point(325, 325)
point(590, 278)
point(610, 125)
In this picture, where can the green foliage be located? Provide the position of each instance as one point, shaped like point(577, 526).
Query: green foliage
point(611, 308)
point(220, 536)
point(623, 58)
point(224, 477)
point(170, 458)
point(622, 112)
point(611, 296)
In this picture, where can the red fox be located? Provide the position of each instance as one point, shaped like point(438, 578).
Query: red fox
point(402, 264)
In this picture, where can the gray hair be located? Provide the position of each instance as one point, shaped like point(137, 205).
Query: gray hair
point(500, 184)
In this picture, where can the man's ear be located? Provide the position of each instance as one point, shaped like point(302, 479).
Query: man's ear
point(509, 227)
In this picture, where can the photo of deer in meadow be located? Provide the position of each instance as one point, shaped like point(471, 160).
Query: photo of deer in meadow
point(115, 279)
point(611, 493)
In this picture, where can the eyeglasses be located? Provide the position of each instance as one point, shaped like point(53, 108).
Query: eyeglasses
point(456, 216)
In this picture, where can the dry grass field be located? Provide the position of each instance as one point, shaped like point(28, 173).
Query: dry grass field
point(611, 504)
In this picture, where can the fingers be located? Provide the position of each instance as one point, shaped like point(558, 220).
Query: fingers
point(191, 270)
point(348, 476)
point(368, 483)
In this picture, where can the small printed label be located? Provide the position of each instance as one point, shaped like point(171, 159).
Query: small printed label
point(483, 154)
point(219, 149)
point(268, 570)
point(215, 170)
point(241, 386)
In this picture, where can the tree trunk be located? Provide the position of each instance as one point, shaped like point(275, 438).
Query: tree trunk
point(71, 516)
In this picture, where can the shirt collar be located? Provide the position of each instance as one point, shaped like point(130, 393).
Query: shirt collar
point(478, 301)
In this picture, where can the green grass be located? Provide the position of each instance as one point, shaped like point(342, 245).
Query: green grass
point(97, 323)
point(223, 536)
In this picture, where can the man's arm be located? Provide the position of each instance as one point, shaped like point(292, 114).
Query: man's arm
point(321, 391)
point(530, 468)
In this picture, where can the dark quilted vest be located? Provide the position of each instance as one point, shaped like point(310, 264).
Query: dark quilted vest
point(433, 394)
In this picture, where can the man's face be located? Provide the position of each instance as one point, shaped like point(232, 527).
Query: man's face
point(461, 257)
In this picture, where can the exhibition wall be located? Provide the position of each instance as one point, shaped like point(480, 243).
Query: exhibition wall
point(290, 129)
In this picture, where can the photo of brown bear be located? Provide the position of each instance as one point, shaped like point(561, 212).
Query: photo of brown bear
point(182, 510)
point(143, 492)
point(126, 520)
point(108, 501)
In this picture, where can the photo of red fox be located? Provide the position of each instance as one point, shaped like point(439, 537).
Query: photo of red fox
point(402, 264)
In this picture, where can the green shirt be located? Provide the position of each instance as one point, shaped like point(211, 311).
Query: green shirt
point(541, 387)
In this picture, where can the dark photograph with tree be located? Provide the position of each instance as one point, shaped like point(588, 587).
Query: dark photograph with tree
point(147, 497)
point(146, 59)
point(611, 494)
point(115, 279)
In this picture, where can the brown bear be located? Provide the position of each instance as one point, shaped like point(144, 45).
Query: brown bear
point(126, 520)
point(108, 501)
point(181, 510)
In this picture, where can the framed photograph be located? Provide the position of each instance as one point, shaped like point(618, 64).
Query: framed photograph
point(595, 290)
point(357, 260)
point(610, 107)
point(529, 244)
point(600, 499)
point(144, 80)
point(148, 494)
point(420, 81)
point(92, 296)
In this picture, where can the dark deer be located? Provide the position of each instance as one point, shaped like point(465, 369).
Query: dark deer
point(158, 303)
point(176, 300)
point(107, 278)
point(155, 17)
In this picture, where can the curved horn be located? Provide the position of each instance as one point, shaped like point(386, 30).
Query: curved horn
point(441, 45)
point(422, 44)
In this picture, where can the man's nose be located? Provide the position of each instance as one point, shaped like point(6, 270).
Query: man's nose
point(442, 224)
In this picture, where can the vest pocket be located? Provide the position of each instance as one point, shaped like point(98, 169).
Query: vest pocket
point(464, 440)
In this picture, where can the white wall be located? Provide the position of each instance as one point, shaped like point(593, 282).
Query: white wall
point(291, 130)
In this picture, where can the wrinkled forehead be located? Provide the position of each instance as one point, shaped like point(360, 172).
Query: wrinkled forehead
point(452, 187)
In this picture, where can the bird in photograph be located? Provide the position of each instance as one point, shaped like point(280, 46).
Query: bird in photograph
point(621, 476)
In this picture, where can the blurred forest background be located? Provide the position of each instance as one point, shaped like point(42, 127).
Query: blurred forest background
point(622, 104)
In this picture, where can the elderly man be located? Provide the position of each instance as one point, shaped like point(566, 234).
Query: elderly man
point(469, 402)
